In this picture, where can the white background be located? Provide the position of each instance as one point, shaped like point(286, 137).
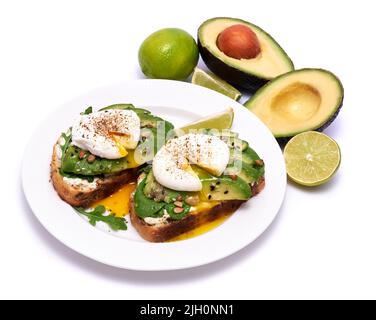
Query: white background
point(323, 243)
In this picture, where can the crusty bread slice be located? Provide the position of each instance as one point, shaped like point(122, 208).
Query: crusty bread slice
point(167, 231)
point(82, 194)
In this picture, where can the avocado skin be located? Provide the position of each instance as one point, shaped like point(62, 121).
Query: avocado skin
point(332, 118)
point(235, 77)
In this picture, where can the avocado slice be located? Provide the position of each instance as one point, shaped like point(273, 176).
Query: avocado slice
point(73, 163)
point(238, 144)
point(231, 138)
point(245, 171)
point(127, 106)
point(150, 121)
point(223, 187)
point(157, 192)
point(249, 74)
point(248, 156)
point(213, 188)
point(302, 100)
point(146, 118)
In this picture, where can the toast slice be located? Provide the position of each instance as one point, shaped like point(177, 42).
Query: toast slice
point(167, 230)
point(81, 193)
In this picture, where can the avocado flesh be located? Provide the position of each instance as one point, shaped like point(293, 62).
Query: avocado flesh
point(147, 120)
point(302, 100)
point(72, 163)
point(229, 137)
point(248, 156)
point(248, 74)
point(245, 171)
point(157, 192)
point(213, 188)
point(222, 188)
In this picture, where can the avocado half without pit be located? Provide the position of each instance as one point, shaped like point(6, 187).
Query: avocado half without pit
point(241, 53)
point(302, 100)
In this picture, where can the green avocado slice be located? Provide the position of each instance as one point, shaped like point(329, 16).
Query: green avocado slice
point(146, 118)
point(249, 74)
point(223, 187)
point(126, 106)
point(71, 163)
point(247, 172)
point(248, 156)
point(302, 100)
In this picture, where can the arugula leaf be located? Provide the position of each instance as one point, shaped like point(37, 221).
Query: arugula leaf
point(145, 169)
point(97, 214)
point(146, 207)
point(68, 140)
point(88, 110)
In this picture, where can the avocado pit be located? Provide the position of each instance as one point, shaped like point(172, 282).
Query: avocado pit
point(239, 42)
point(297, 102)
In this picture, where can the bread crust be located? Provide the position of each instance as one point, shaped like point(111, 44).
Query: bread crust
point(79, 197)
point(170, 230)
point(165, 232)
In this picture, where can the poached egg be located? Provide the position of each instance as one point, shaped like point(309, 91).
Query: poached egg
point(108, 133)
point(171, 164)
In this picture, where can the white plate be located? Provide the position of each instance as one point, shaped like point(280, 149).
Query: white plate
point(179, 103)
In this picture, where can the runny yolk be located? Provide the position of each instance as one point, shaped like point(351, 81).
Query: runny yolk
point(201, 229)
point(120, 141)
point(131, 159)
point(118, 202)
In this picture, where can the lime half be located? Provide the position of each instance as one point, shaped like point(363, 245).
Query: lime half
point(211, 81)
point(220, 121)
point(312, 158)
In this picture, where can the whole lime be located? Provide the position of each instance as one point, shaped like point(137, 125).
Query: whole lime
point(168, 54)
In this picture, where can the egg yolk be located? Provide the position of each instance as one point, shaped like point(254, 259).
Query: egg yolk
point(118, 202)
point(201, 229)
point(132, 162)
point(120, 141)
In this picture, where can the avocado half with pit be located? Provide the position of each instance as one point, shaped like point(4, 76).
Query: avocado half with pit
point(298, 101)
point(243, 73)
